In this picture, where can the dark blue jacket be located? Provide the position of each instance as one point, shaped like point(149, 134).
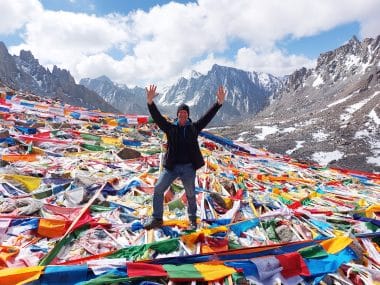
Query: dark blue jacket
point(191, 133)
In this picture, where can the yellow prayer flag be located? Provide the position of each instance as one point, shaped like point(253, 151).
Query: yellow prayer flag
point(372, 209)
point(22, 275)
point(211, 272)
point(334, 245)
point(30, 182)
point(112, 141)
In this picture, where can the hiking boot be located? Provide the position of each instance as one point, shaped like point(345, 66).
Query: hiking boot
point(153, 223)
point(193, 226)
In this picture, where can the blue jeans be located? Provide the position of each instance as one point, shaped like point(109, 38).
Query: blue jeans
point(186, 173)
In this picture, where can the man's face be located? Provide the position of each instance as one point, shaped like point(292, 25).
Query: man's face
point(182, 117)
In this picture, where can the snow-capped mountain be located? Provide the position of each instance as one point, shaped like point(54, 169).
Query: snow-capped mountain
point(24, 73)
point(126, 100)
point(247, 93)
point(328, 114)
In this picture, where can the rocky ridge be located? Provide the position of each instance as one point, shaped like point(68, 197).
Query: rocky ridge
point(329, 114)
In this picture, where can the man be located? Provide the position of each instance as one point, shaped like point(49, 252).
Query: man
point(183, 156)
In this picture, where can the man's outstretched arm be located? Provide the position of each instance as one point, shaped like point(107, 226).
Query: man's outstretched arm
point(162, 123)
point(206, 118)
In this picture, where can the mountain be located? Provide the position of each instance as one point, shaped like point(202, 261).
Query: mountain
point(24, 73)
point(328, 114)
point(126, 100)
point(8, 69)
point(248, 93)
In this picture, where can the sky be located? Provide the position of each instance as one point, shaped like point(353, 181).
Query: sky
point(142, 42)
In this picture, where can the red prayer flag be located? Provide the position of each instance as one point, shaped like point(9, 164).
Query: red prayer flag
point(292, 265)
point(140, 269)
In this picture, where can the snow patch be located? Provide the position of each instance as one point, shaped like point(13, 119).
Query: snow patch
point(352, 60)
point(298, 145)
point(194, 101)
point(324, 158)
point(318, 81)
point(339, 101)
point(309, 122)
point(320, 136)
point(374, 160)
point(288, 130)
point(241, 136)
point(364, 67)
point(353, 108)
point(361, 134)
point(374, 117)
point(265, 130)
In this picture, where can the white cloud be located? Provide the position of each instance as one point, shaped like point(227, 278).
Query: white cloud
point(15, 13)
point(273, 61)
point(204, 65)
point(170, 40)
point(66, 38)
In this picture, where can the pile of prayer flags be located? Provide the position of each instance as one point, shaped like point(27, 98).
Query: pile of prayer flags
point(76, 187)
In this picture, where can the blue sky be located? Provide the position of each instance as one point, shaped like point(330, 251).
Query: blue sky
point(103, 7)
point(137, 42)
point(313, 46)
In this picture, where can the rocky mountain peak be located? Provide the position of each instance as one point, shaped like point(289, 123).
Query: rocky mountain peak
point(195, 74)
point(62, 75)
point(219, 70)
point(27, 56)
point(329, 113)
point(131, 101)
point(99, 81)
point(352, 58)
point(104, 79)
point(3, 49)
point(248, 92)
point(215, 67)
point(8, 68)
point(24, 73)
point(296, 79)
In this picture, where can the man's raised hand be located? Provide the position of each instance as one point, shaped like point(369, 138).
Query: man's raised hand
point(151, 93)
point(221, 94)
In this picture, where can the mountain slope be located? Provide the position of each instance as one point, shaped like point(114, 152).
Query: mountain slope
point(248, 93)
point(24, 73)
point(328, 114)
point(126, 100)
point(8, 69)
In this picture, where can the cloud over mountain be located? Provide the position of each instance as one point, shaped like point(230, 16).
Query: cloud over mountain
point(167, 41)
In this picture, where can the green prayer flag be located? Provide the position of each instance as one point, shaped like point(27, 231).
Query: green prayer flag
point(99, 208)
point(314, 251)
point(108, 278)
point(371, 226)
point(136, 252)
point(176, 204)
point(150, 151)
point(90, 137)
point(233, 245)
point(176, 188)
point(92, 147)
point(184, 271)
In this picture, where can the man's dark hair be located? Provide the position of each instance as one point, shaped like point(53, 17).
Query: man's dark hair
point(183, 107)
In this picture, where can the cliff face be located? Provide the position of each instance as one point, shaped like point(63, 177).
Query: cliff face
point(24, 73)
point(330, 111)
